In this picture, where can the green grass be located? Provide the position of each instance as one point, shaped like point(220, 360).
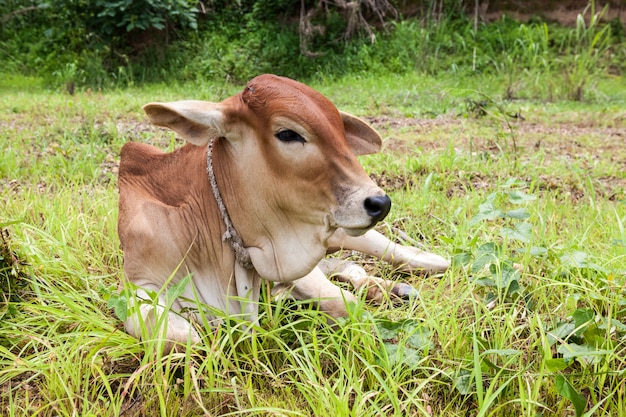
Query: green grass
point(546, 194)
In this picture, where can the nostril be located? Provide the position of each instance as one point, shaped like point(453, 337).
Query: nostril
point(377, 207)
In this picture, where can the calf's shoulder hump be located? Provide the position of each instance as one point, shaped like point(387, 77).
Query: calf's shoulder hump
point(138, 158)
point(170, 178)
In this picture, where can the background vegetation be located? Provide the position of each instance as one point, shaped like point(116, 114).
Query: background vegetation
point(504, 151)
point(100, 44)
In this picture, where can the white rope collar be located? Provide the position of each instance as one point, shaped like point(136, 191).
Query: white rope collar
point(230, 235)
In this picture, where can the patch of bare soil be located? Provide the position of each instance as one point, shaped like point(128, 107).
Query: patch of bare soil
point(590, 144)
point(415, 125)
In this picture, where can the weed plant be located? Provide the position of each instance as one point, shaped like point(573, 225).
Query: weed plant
point(530, 320)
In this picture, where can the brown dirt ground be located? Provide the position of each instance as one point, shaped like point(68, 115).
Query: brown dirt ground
point(589, 142)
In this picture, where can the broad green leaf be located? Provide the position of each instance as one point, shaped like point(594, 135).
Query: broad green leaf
point(461, 259)
point(463, 382)
point(410, 325)
point(417, 336)
point(504, 275)
point(537, 251)
point(578, 259)
point(514, 288)
point(447, 240)
point(490, 297)
point(518, 214)
point(519, 197)
point(521, 231)
point(152, 294)
point(612, 324)
point(403, 355)
point(486, 211)
point(594, 336)
point(505, 353)
point(486, 364)
point(420, 339)
point(388, 329)
point(486, 282)
point(486, 254)
point(582, 317)
point(512, 182)
point(561, 332)
point(585, 354)
point(481, 262)
point(489, 248)
point(555, 364)
point(119, 304)
point(566, 390)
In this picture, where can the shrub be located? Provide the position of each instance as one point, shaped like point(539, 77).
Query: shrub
point(116, 42)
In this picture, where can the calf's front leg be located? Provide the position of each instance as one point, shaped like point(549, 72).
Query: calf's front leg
point(405, 258)
point(373, 243)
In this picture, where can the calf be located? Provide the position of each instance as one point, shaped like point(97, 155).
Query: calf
point(268, 180)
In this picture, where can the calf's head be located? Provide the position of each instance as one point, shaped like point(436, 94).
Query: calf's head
point(285, 164)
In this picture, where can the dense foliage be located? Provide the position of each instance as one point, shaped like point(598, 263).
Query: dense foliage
point(119, 42)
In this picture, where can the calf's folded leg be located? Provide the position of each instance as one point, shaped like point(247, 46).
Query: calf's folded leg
point(377, 289)
point(315, 286)
point(150, 320)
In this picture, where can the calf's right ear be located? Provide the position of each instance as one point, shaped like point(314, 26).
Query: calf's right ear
point(195, 121)
point(361, 137)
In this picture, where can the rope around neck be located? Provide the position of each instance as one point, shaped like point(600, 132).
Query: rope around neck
point(230, 235)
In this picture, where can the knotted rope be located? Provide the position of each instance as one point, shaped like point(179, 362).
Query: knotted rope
point(230, 235)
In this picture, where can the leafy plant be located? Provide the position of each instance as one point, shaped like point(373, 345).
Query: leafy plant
point(502, 278)
point(142, 15)
point(585, 49)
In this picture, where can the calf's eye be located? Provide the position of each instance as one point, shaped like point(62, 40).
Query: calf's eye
point(289, 136)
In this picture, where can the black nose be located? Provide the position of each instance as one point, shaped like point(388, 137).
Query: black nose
point(377, 207)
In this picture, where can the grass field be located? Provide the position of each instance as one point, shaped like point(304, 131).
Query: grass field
point(527, 197)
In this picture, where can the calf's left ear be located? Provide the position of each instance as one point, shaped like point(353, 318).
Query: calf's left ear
point(361, 137)
point(195, 121)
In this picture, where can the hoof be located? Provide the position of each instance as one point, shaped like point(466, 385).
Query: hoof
point(404, 292)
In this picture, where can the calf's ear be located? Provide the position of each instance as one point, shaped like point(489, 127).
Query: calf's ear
point(361, 137)
point(195, 121)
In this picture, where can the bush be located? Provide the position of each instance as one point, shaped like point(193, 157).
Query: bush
point(83, 42)
point(127, 15)
point(118, 42)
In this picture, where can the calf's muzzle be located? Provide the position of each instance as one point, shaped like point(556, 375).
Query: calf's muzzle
point(377, 207)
